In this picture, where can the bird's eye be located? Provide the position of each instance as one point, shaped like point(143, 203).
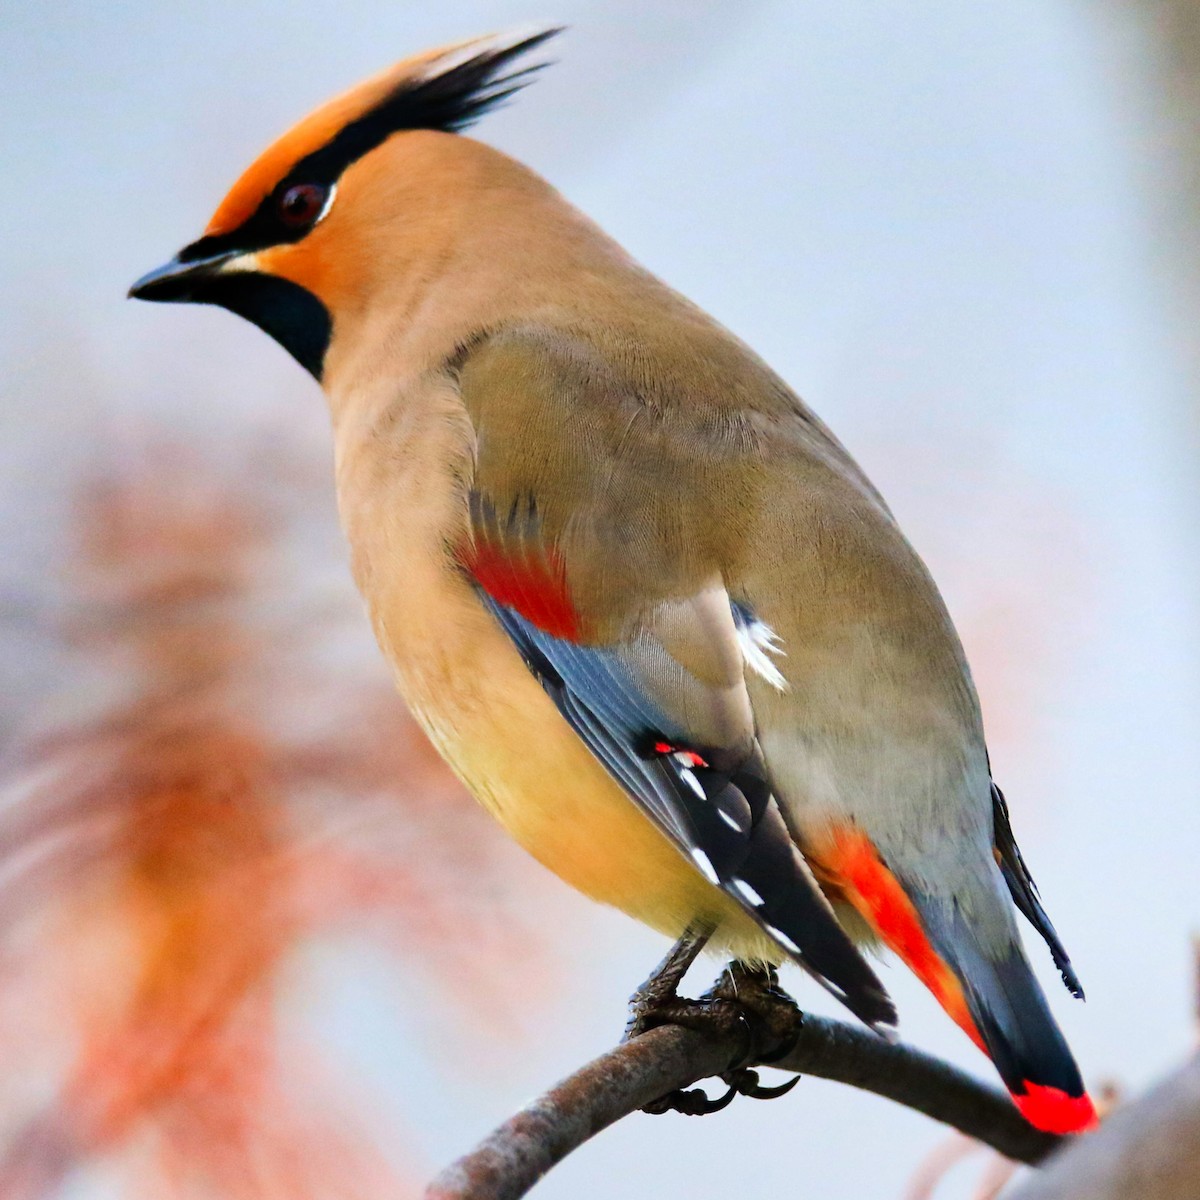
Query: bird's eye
point(301, 205)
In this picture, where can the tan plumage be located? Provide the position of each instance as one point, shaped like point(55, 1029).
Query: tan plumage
point(580, 510)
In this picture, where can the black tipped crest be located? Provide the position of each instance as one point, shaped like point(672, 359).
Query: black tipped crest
point(457, 98)
point(443, 91)
point(449, 100)
point(445, 100)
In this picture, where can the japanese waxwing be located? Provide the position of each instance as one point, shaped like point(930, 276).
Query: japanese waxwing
point(640, 598)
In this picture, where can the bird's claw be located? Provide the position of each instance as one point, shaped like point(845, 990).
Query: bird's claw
point(771, 1016)
point(695, 1102)
point(747, 1084)
point(746, 1002)
point(692, 1102)
point(657, 1001)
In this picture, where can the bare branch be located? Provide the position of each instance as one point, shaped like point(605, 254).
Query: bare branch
point(1148, 1150)
point(849, 1054)
point(518, 1153)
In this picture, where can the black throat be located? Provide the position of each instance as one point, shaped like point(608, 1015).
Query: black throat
point(290, 314)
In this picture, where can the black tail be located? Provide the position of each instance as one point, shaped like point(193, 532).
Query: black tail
point(1014, 1022)
point(1024, 891)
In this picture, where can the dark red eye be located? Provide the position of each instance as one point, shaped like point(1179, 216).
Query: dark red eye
point(302, 204)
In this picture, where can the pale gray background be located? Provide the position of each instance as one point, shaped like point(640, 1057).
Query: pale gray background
point(935, 220)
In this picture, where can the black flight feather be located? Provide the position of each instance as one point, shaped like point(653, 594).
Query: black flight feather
point(1024, 891)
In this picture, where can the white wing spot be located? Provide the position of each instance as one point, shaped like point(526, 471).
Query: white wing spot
point(689, 777)
point(758, 642)
point(783, 939)
point(748, 892)
point(730, 820)
point(705, 864)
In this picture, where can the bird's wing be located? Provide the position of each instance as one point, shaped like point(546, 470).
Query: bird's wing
point(644, 663)
point(1024, 890)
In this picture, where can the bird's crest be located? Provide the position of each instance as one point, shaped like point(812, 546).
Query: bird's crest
point(446, 89)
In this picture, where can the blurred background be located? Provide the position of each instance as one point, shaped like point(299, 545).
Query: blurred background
point(254, 941)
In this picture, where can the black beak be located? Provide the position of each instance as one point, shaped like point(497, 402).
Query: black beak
point(180, 281)
point(294, 317)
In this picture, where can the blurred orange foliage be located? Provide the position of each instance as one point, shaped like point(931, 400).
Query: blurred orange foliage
point(162, 858)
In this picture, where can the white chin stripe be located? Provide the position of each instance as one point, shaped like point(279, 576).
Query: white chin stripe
point(243, 263)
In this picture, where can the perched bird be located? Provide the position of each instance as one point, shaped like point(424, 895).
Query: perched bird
point(642, 600)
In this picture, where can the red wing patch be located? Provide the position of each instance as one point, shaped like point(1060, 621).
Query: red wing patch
point(685, 758)
point(535, 589)
point(512, 565)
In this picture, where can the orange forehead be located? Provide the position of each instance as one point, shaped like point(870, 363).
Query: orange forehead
point(312, 133)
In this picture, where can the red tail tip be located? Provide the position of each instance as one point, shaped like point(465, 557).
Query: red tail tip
point(1052, 1110)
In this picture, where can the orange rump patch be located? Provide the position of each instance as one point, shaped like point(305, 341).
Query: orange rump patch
point(855, 869)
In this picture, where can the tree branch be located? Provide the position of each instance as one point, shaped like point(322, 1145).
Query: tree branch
point(1148, 1150)
point(518, 1153)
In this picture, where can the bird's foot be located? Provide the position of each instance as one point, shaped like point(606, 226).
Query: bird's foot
point(773, 1017)
point(746, 1003)
point(657, 1001)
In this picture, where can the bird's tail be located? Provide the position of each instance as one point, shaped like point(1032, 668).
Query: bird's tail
point(991, 994)
point(1009, 1019)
